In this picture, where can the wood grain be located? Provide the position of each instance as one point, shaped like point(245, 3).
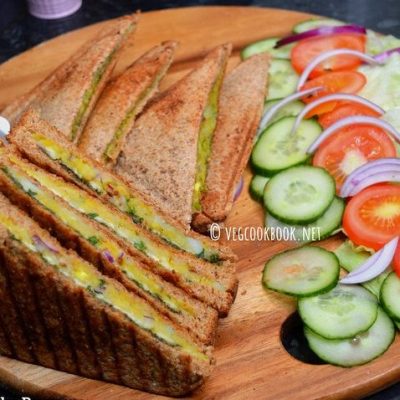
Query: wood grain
point(251, 362)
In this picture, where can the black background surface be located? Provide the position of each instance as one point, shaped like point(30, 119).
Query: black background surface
point(20, 31)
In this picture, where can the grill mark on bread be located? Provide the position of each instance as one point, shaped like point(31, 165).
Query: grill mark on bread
point(125, 344)
point(41, 313)
point(21, 290)
point(102, 342)
point(55, 325)
point(14, 324)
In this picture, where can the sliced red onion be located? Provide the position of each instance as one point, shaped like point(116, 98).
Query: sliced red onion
point(382, 57)
point(239, 188)
point(329, 54)
point(107, 255)
point(336, 97)
point(322, 31)
point(357, 119)
point(42, 245)
point(364, 171)
point(275, 108)
point(389, 176)
point(374, 265)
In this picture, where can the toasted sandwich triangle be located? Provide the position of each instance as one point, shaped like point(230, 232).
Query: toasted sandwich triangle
point(67, 96)
point(122, 100)
point(160, 154)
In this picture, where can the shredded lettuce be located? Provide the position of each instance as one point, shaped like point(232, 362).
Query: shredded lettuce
point(383, 82)
point(378, 43)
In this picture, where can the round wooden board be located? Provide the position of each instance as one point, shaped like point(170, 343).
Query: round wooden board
point(251, 362)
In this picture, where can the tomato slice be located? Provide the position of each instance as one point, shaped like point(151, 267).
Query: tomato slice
point(351, 147)
point(334, 82)
point(396, 261)
point(306, 50)
point(372, 217)
point(343, 111)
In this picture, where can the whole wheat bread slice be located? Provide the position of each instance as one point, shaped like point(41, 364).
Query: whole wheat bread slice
point(122, 100)
point(60, 96)
point(160, 153)
point(117, 349)
point(240, 108)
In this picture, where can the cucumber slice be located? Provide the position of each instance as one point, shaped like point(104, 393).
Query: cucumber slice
point(305, 271)
point(267, 45)
point(358, 350)
point(257, 186)
point(282, 79)
point(316, 23)
point(323, 227)
point(278, 149)
point(342, 313)
point(390, 296)
point(351, 258)
point(299, 195)
point(290, 110)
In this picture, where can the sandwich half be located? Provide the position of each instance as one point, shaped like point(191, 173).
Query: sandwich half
point(57, 310)
point(240, 109)
point(46, 147)
point(165, 154)
point(66, 97)
point(121, 101)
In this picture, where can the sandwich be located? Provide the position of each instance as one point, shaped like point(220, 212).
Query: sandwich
point(111, 241)
point(121, 101)
point(46, 147)
point(240, 109)
point(59, 311)
point(68, 95)
point(166, 152)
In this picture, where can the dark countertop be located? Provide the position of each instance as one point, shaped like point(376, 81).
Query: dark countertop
point(20, 31)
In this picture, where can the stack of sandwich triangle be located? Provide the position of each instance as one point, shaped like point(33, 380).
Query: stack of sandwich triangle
point(100, 181)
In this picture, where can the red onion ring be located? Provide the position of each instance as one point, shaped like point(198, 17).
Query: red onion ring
point(336, 97)
point(329, 54)
point(382, 165)
point(382, 57)
point(239, 188)
point(275, 108)
point(322, 31)
point(362, 120)
point(374, 265)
